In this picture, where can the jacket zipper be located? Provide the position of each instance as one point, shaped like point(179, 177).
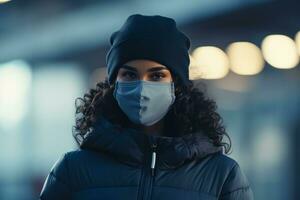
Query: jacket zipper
point(148, 175)
point(153, 161)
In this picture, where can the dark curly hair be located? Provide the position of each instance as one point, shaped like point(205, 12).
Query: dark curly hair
point(192, 111)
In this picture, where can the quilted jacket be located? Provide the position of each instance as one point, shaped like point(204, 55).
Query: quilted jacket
point(115, 163)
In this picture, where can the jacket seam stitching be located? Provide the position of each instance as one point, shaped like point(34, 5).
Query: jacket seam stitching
point(208, 194)
point(235, 190)
point(105, 186)
point(231, 171)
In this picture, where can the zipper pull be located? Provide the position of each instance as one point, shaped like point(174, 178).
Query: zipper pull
point(153, 158)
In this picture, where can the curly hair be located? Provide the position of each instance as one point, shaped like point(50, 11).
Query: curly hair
point(192, 111)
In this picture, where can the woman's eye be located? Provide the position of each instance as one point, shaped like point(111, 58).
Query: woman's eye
point(158, 76)
point(128, 75)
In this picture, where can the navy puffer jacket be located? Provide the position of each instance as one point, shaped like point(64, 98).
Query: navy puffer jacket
point(125, 164)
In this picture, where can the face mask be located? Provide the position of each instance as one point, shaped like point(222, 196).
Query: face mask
point(144, 102)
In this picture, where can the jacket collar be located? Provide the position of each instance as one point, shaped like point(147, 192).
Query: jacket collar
point(133, 147)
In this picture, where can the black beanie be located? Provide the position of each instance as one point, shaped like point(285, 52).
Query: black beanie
point(149, 37)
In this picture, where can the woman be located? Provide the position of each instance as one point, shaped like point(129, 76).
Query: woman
point(146, 132)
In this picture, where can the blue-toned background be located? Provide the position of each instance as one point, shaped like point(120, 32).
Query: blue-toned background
point(245, 51)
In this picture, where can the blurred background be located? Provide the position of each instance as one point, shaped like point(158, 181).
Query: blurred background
point(246, 52)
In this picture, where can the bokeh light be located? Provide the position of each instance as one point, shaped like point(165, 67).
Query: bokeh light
point(194, 71)
point(210, 62)
point(280, 51)
point(297, 40)
point(245, 58)
point(15, 81)
point(4, 1)
point(269, 147)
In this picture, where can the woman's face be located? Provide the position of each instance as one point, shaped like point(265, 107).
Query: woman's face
point(146, 70)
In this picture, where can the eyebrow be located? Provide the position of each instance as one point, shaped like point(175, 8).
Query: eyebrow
point(156, 68)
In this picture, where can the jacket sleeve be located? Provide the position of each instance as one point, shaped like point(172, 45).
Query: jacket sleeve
point(56, 184)
point(236, 186)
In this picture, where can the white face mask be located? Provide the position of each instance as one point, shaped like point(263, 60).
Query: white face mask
point(144, 102)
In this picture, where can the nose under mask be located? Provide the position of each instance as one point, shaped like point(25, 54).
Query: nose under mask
point(144, 102)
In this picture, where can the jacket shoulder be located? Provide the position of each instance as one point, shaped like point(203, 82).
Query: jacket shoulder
point(80, 155)
point(235, 184)
point(85, 158)
point(224, 161)
point(56, 185)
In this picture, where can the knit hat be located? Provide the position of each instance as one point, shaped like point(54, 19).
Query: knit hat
point(149, 37)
